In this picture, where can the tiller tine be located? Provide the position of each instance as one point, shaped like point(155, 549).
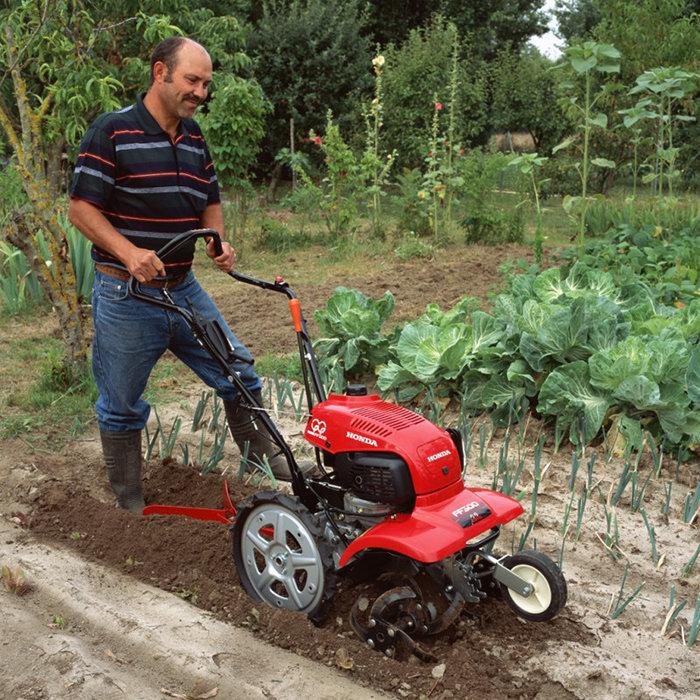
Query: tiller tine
point(393, 618)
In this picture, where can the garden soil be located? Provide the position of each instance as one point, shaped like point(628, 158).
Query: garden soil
point(121, 606)
point(262, 322)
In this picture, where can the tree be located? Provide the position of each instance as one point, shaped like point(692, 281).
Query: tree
point(418, 73)
point(524, 97)
point(487, 26)
point(576, 19)
point(309, 57)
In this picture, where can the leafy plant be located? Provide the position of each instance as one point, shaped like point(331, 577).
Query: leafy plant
point(413, 247)
point(619, 604)
point(664, 88)
point(528, 164)
point(585, 60)
point(351, 326)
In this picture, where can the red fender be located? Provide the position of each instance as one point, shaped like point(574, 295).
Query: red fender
point(440, 524)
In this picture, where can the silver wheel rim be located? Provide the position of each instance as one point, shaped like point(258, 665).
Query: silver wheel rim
point(541, 597)
point(281, 558)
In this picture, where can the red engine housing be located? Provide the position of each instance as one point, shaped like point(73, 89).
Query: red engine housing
point(446, 515)
point(366, 423)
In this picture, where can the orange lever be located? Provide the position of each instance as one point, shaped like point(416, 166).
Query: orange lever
point(295, 308)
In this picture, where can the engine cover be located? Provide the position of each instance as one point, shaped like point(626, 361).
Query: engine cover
point(376, 428)
point(380, 477)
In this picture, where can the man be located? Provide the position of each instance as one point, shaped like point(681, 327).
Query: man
point(143, 175)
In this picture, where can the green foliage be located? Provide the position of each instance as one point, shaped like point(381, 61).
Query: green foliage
point(270, 365)
point(587, 350)
point(309, 57)
point(19, 289)
point(663, 89)
point(560, 176)
point(495, 24)
point(530, 165)
point(345, 184)
point(410, 202)
point(351, 326)
point(234, 127)
point(587, 61)
point(484, 221)
point(417, 74)
point(668, 216)
point(277, 237)
point(494, 226)
point(413, 247)
point(524, 97)
point(667, 258)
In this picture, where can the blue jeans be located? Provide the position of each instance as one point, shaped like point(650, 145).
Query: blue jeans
point(130, 337)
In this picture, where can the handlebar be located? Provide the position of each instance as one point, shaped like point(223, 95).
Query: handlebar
point(279, 285)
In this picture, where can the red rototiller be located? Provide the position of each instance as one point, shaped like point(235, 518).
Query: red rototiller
point(388, 503)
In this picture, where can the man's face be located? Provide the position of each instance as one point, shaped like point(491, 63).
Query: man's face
point(184, 88)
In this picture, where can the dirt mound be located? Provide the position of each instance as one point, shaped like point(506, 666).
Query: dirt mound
point(193, 560)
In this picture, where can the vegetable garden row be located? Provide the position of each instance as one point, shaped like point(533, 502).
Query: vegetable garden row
point(606, 346)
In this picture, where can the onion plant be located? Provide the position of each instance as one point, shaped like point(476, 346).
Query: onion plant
point(619, 604)
point(690, 564)
point(691, 506)
point(694, 625)
point(674, 610)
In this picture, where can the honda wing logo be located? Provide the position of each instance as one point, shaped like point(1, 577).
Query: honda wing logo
point(361, 438)
point(317, 428)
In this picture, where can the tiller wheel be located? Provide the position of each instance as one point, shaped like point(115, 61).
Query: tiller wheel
point(401, 615)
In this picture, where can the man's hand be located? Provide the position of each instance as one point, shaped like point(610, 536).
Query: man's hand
point(226, 260)
point(144, 264)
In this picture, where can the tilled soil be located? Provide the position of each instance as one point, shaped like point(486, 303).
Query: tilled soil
point(261, 320)
point(193, 560)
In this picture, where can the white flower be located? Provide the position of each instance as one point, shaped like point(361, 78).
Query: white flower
point(378, 61)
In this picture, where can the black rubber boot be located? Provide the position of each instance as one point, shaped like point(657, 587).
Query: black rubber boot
point(245, 428)
point(122, 455)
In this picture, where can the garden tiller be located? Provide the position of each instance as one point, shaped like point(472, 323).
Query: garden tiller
point(386, 503)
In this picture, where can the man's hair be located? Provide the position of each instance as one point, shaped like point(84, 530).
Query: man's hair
point(166, 52)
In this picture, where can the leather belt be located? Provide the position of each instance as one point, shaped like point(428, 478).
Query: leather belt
point(155, 284)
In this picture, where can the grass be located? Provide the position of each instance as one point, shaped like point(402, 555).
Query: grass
point(39, 404)
point(273, 365)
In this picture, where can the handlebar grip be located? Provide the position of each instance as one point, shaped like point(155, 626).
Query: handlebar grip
point(218, 250)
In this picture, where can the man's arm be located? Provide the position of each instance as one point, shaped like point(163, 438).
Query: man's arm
point(143, 264)
point(213, 217)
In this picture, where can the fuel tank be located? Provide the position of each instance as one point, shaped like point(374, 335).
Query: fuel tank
point(350, 424)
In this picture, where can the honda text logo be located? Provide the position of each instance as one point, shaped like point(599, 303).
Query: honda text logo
point(317, 428)
point(444, 453)
point(361, 438)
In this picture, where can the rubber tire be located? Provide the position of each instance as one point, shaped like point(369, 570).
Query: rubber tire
point(552, 574)
point(319, 613)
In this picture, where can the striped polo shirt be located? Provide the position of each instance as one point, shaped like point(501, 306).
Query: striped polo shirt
point(149, 187)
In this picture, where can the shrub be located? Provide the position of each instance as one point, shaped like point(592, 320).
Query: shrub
point(561, 177)
point(413, 247)
point(234, 126)
point(667, 215)
point(413, 212)
point(309, 57)
point(493, 226)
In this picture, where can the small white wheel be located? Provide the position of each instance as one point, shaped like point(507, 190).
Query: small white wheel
point(549, 586)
